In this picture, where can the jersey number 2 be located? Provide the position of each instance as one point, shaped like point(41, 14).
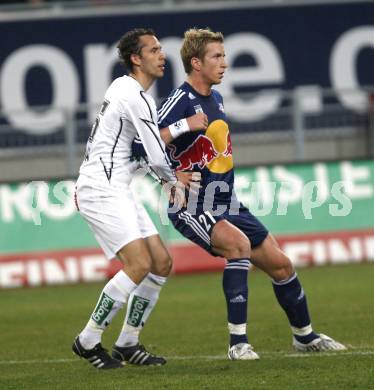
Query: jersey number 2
point(203, 220)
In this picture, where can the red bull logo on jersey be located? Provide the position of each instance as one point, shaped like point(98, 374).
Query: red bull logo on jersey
point(212, 150)
point(199, 153)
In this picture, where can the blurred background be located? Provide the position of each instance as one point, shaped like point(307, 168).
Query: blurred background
point(299, 95)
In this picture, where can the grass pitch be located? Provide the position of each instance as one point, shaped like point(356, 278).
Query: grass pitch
point(37, 327)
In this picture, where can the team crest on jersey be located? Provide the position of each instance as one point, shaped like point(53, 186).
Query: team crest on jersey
point(191, 96)
point(220, 107)
point(198, 108)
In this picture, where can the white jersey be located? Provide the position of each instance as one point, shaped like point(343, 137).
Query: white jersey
point(127, 112)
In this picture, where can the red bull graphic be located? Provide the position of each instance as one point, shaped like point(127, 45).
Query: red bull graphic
point(200, 153)
point(212, 150)
point(228, 151)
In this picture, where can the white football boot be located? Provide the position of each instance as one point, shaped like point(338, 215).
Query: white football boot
point(320, 344)
point(242, 351)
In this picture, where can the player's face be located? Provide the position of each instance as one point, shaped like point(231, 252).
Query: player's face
point(213, 65)
point(151, 56)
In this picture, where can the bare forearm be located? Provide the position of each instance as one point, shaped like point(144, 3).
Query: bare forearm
point(193, 123)
point(166, 135)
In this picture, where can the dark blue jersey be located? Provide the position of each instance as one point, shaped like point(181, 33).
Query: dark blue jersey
point(208, 152)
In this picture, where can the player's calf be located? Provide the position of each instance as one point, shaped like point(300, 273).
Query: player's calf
point(235, 288)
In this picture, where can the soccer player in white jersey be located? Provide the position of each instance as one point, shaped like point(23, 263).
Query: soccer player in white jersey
point(119, 222)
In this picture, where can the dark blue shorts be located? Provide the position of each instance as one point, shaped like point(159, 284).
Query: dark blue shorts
point(198, 226)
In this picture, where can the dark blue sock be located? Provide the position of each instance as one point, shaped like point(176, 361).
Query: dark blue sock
point(235, 287)
point(291, 297)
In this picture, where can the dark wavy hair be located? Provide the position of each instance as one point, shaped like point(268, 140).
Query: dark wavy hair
point(130, 44)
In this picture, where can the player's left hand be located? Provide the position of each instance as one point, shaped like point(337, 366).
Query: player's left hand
point(198, 122)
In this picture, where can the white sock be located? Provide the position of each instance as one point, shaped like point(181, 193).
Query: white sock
point(112, 298)
point(140, 305)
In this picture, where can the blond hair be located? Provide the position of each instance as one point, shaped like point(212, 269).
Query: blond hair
point(194, 45)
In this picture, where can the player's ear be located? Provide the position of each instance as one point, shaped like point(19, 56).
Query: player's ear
point(196, 63)
point(135, 59)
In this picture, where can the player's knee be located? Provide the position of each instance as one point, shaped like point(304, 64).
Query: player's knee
point(144, 265)
point(164, 265)
point(238, 247)
point(283, 270)
point(169, 265)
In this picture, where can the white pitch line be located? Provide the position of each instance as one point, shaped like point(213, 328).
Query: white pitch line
point(324, 354)
point(44, 361)
point(271, 355)
point(275, 355)
point(361, 347)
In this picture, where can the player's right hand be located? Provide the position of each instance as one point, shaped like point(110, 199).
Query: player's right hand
point(189, 179)
point(198, 122)
point(184, 177)
point(178, 195)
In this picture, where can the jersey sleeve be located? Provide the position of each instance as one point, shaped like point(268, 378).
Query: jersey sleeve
point(217, 96)
point(140, 114)
point(173, 108)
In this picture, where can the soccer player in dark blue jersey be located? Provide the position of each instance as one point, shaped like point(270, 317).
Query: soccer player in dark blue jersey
point(216, 220)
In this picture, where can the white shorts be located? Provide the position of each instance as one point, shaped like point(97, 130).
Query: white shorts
point(113, 214)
